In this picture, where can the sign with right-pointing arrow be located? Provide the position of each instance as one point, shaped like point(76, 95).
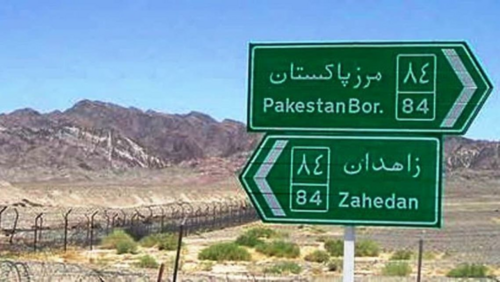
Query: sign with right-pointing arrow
point(410, 87)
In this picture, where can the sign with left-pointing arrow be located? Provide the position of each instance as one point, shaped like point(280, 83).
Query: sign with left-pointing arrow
point(346, 180)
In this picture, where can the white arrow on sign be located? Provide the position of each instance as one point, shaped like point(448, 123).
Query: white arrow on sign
point(469, 88)
point(261, 175)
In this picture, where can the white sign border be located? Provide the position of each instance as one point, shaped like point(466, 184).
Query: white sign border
point(438, 204)
point(461, 130)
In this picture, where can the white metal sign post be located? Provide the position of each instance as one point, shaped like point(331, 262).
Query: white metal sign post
point(349, 242)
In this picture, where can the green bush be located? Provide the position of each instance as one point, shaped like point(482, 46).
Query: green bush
point(284, 267)
point(335, 247)
point(317, 256)
point(147, 261)
point(280, 249)
point(469, 271)
point(396, 269)
point(248, 240)
point(335, 265)
point(402, 255)
point(363, 248)
point(149, 241)
point(121, 241)
point(168, 242)
point(164, 241)
point(261, 232)
point(252, 237)
point(224, 252)
point(126, 247)
point(366, 248)
point(110, 241)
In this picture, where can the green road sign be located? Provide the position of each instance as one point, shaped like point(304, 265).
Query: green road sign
point(346, 180)
point(377, 87)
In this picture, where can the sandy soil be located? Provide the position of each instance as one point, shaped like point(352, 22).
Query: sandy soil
point(471, 231)
point(132, 190)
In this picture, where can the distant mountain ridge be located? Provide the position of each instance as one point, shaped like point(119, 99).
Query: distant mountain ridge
point(464, 153)
point(95, 136)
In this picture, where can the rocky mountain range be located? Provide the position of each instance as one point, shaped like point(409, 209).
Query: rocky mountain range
point(463, 153)
point(94, 136)
point(97, 136)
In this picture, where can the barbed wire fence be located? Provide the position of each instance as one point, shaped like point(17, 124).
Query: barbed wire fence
point(55, 272)
point(63, 272)
point(37, 228)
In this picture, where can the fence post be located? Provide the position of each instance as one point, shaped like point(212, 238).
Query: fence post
point(178, 255)
point(172, 212)
point(92, 229)
point(226, 217)
point(214, 217)
point(420, 254)
point(11, 239)
point(149, 221)
point(187, 216)
point(198, 225)
point(160, 272)
point(124, 218)
point(87, 237)
point(113, 221)
point(40, 228)
point(162, 222)
point(35, 239)
point(206, 218)
point(106, 215)
point(66, 229)
point(1, 211)
point(132, 220)
point(243, 211)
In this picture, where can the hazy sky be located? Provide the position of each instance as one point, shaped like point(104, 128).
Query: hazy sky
point(178, 56)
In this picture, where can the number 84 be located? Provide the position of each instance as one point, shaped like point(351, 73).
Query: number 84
point(302, 198)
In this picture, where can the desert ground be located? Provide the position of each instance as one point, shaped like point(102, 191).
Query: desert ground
point(470, 234)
